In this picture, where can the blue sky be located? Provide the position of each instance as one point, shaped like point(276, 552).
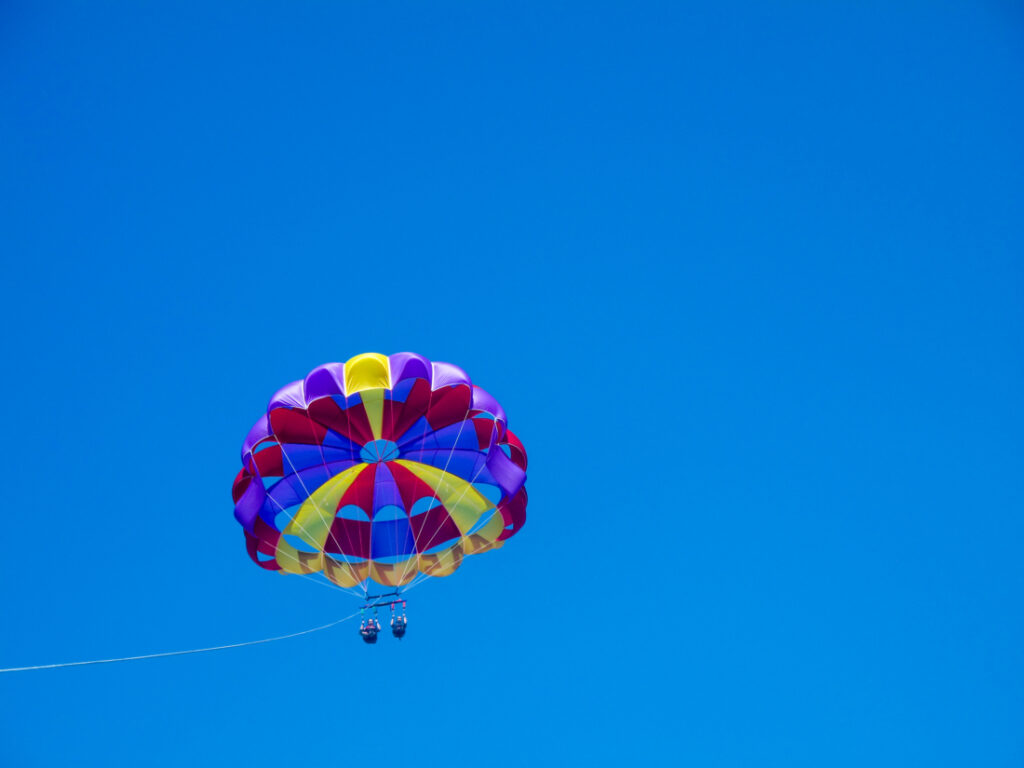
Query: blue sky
point(747, 281)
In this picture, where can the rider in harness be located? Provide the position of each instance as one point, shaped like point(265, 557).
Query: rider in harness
point(368, 629)
point(398, 621)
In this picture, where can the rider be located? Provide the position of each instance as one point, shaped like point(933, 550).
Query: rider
point(398, 622)
point(369, 628)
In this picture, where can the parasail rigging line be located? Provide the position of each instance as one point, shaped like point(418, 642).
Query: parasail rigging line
point(444, 471)
point(330, 528)
point(310, 497)
point(426, 574)
point(182, 653)
point(300, 563)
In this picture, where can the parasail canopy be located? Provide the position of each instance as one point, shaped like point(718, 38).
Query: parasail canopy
point(380, 468)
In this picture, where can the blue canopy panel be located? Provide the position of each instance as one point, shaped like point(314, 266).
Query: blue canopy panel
point(391, 538)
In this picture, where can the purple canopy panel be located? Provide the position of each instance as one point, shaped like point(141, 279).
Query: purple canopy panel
point(509, 477)
point(324, 381)
point(446, 374)
point(248, 507)
point(408, 365)
point(259, 431)
point(483, 401)
point(385, 490)
point(290, 396)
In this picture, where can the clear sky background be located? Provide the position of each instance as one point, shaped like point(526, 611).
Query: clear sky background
point(747, 281)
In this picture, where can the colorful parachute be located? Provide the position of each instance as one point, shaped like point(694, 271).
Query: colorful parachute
point(380, 468)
